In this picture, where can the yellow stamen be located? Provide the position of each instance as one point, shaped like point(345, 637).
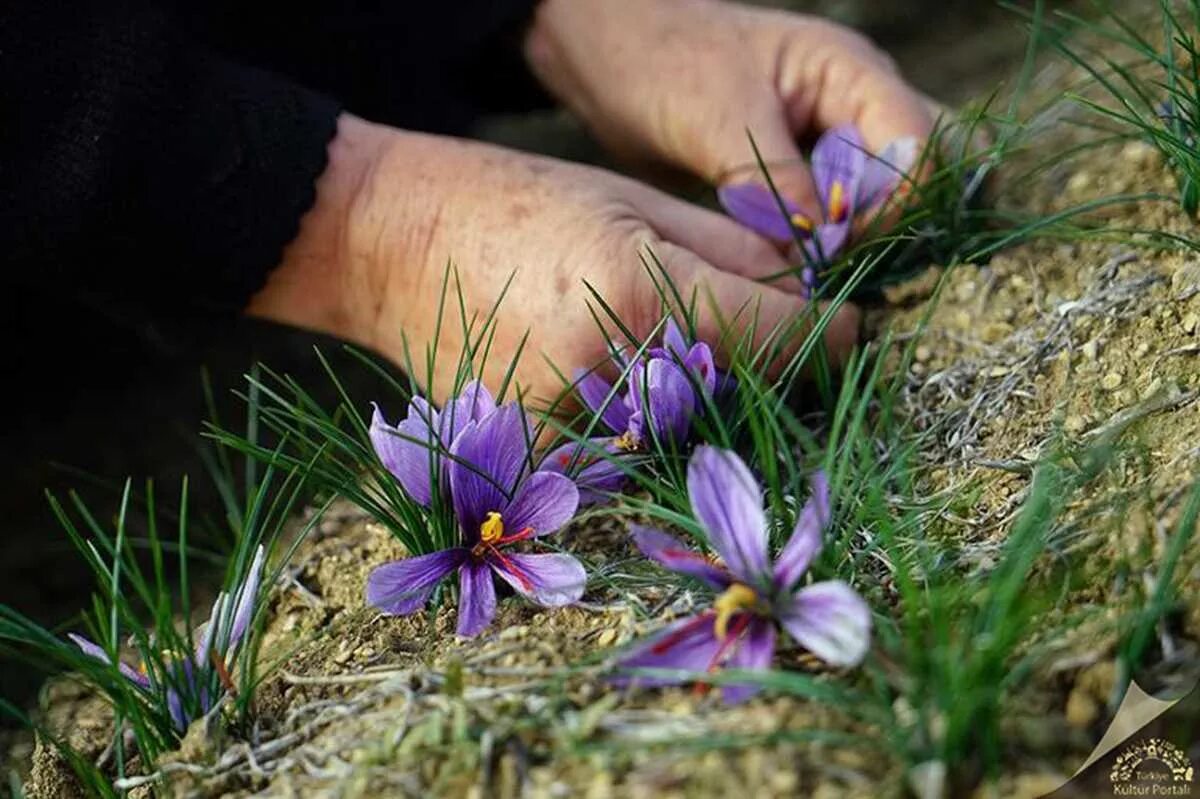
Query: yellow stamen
point(492, 529)
point(837, 202)
point(736, 597)
point(626, 442)
point(802, 222)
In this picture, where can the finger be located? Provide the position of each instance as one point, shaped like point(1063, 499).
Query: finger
point(726, 155)
point(731, 309)
point(877, 100)
point(720, 241)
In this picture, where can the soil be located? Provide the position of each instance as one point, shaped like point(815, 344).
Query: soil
point(1048, 344)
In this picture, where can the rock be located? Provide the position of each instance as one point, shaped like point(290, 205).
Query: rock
point(1090, 350)
point(1111, 381)
point(1075, 423)
point(1140, 153)
point(928, 780)
point(923, 353)
point(1081, 709)
point(1079, 183)
point(1190, 321)
point(1185, 278)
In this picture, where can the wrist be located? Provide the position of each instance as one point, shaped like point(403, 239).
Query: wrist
point(319, 282)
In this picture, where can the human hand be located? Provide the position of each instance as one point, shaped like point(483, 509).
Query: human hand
point(681, 81)
point(394, 208)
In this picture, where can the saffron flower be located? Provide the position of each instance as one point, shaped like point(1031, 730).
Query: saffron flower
point(659, 398)
point(497, 502)
point(191, 677)
point(849, 182)
point(413, 450)
point(754, 597)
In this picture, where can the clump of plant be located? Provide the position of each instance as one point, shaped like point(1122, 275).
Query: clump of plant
point(138, 645)
point(1148, 81)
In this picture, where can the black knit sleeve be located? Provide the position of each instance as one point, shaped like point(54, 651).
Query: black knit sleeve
point(141, 169)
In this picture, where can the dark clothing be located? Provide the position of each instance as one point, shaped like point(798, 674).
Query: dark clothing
point(155, 157)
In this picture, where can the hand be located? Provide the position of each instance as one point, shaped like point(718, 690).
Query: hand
point(681, 81)
point(394, 208)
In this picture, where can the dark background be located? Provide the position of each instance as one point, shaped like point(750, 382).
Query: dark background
point(109, 395)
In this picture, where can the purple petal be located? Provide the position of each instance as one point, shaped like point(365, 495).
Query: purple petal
point(596, 475)
point(754, 653)
point(551, 579)
point(753, 205)
point(728, 504)
point(404, 586)
point(669, 397)
point(472, 404)
point(798, 552)
point(674, 555)
point(245, 599)
point(838, 157)
point(544, 502)
point(827, 241)
point(207, 632)
point(687, 645)
point(673, 339)
point(476, 598)
point(488, 458)
point(699, 361)
point(594, 390)
point(407, 451)
point(93, 650)
point(830, 620)
point(883, 172)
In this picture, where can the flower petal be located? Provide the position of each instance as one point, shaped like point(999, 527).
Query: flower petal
point(550, 579)
point(246, 597)
point(883, 172)
point(476, 598)
point(592, 464)
point(670, 399)
point(472, 404)
point(668, 551)
point(830, 620)
point(754, 206)
point(404, 586)
point(827, 241)
point(407, 451)
point(728, 504)
point(687, 645)
point(93, 650)
point(754, 652)
point(699, 361)
point(594, 390)
point(839, 157)
point(544, 502)
point(673, 339)
point(797, 554)
point(488, 458)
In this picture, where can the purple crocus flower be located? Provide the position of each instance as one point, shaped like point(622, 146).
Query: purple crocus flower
point(849, 181)
point(217, 646)
point(754, 597)
point(497, 503)
point(413, 451)
point(659, 398)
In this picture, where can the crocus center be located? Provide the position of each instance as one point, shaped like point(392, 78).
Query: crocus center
point(837, 202)
point(802, 222)
point(626, 442)
point(492, 528)
point(735, 598)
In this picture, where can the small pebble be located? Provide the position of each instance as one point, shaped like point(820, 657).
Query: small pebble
point(1079, 182)
point(1090, 350)
point(1190, 322)
point(1111, 381)
point(923, 353)
point(1075, 424)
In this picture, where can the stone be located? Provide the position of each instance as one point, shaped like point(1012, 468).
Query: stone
point(1189, 323)
point(1111, 381)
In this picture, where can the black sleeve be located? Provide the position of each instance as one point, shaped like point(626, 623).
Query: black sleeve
point(137, 168)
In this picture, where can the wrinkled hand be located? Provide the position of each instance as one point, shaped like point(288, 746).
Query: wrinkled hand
point(394, 208)
point(681, 82)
